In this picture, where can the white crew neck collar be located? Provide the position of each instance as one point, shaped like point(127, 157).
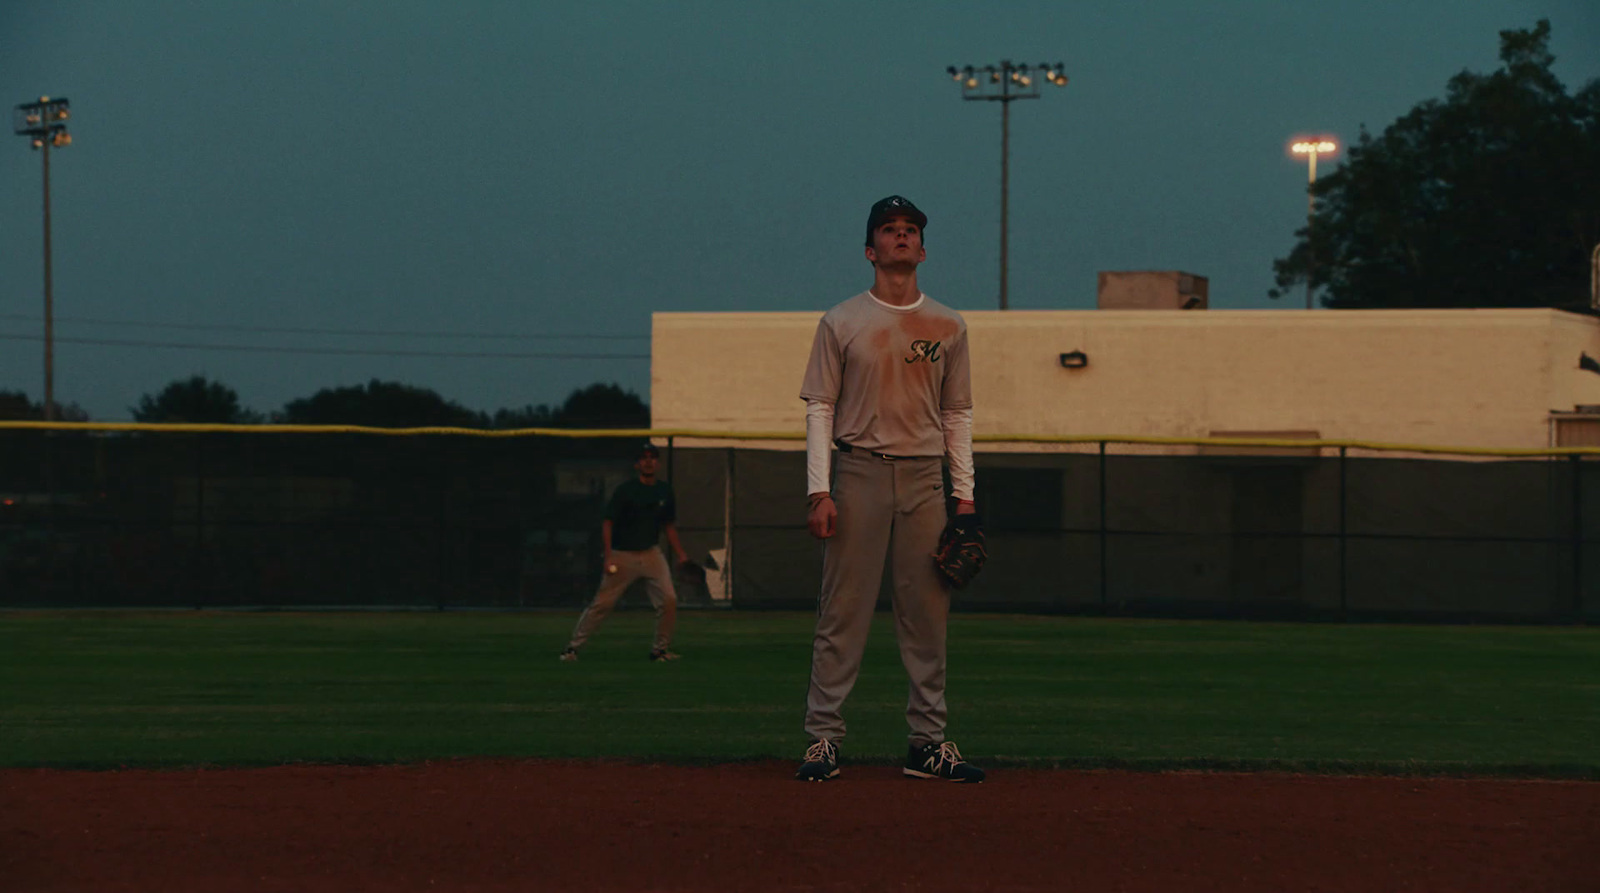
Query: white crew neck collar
point(896, 307)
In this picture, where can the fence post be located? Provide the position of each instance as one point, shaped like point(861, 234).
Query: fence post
point(52, 528)
point(1577, 538)
point(729, 498)
point(1105, 569)
point(442, 552)
point(197, 566)
point(1343, 540)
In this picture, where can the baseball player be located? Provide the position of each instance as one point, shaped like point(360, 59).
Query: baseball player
point(639, 512)
point(888, 386)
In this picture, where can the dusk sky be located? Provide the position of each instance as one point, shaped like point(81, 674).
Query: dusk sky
point(484, 198)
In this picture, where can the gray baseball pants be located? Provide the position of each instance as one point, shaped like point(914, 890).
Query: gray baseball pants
point(652, 566)
point(888, 509)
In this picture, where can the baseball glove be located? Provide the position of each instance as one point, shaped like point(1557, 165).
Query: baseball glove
point(961, 551)
point(692, 573)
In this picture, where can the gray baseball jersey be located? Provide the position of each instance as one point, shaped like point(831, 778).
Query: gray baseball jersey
point(890, 371)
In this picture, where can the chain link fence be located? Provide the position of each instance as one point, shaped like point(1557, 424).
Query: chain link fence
point(257, 517)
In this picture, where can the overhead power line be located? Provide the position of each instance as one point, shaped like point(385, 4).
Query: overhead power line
point(336, 351)
point(285, 330)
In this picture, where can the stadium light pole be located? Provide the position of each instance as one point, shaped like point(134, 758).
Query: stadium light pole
point(44, 123)
point(1311, 149)
point(1005, 83)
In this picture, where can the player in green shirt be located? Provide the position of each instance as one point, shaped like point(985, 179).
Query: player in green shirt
point(639, 512)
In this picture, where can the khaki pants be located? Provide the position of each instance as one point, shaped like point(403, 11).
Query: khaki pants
point(889, 509)
point(652, 566)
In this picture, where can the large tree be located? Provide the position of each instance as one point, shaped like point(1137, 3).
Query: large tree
point(603, 406)
point(380, 404)
point(16, 407)
point(1487, 198)
point(594, 406)
point(530, 416)
point(194, 399)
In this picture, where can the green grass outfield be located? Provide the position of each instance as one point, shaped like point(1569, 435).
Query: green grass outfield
point(106, 689)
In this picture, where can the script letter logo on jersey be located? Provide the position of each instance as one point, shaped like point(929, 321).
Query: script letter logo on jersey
point(922, 350)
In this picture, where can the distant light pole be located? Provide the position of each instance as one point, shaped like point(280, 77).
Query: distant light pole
point(1003, 83)
point(1594, 279)
point(1311, 149)
point(45, 124)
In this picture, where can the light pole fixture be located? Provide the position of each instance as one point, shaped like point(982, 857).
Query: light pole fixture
point(1311, 148)
point(1004, 83)
point(44, 123)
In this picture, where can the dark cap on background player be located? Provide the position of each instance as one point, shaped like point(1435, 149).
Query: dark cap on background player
point(649, 449)
point(889, 208)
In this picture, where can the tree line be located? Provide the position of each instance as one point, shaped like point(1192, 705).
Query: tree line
point(1489, 197)
point(379, 404)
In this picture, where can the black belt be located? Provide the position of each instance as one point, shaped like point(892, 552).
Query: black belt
point(847, 448)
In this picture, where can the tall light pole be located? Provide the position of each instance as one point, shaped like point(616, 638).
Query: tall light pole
point(44, 123)
point(1004, 83)
point(1311, 149)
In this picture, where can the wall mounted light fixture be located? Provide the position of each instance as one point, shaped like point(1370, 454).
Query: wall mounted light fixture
point(1076, 359)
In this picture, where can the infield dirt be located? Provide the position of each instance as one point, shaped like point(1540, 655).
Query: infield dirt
point(602, 826)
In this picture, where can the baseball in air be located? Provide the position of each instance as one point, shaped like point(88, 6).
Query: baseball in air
point(611, 568)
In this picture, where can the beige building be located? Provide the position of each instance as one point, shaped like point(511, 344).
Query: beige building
point(1501, 379)
point(1229, 532)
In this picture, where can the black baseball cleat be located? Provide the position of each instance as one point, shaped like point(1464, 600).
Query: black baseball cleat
point(569, 655)
point(822, 762)
point(662, 654)
point(940, 761)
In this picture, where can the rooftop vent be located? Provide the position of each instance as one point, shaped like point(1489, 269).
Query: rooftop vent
point(1153, 290)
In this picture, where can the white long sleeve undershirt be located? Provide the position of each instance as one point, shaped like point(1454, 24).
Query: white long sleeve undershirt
point(958, 450)
point(819, 445)
point(957, 424)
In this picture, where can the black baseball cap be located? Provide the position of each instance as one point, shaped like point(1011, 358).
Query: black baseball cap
point(891, 207)
point(649, 449)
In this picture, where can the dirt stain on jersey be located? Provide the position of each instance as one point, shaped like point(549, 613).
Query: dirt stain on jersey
point(925, 339)
point(884, 348)
point(915, 348)
point(928, 328)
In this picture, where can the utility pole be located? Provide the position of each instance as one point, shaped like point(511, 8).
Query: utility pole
point(44, 123)
point(1311, 149)
point(1005, 83)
